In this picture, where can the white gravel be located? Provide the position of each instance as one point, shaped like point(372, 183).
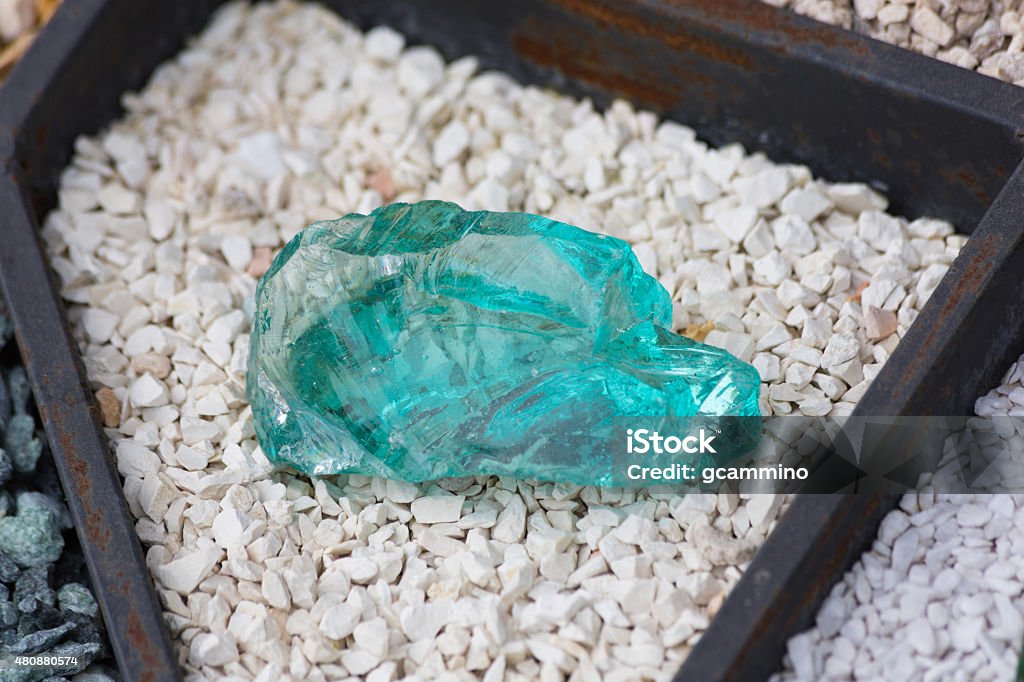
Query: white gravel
point(281, 115)
point(940, 595)
point(984, 35)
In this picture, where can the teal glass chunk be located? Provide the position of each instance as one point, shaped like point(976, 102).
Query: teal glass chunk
point(424, 341)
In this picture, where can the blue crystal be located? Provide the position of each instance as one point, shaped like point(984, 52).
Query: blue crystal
point(423, 341)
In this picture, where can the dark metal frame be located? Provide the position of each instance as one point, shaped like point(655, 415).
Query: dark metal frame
point(937, 139)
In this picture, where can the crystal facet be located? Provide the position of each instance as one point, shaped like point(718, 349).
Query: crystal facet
point(423, 341)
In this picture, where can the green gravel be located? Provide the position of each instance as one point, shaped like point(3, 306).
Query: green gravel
point(46, 606)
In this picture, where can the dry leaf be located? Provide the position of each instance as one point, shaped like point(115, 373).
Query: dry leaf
point(699, 332)
point(45, 9)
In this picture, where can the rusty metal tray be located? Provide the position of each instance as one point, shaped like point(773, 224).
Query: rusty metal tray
point(936, 139)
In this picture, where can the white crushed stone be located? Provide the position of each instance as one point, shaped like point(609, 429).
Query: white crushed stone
point(984, 35)
point(281, 114)
point(940, 596)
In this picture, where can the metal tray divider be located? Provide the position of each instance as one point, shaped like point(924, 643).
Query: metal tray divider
point(736, 70)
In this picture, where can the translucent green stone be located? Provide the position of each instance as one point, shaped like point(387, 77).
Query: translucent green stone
point(423, 341)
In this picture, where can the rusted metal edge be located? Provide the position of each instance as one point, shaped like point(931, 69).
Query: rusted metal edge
point(815, 542)
point(49, 55)
point(857, 55)
point(71, 80)
point(118, 571)
point(971, 328)
point(966, 336)
point(813, 546)
point(939, 140)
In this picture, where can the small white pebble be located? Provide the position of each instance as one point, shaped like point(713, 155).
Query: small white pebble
point(437, 508)
point(147, 391)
